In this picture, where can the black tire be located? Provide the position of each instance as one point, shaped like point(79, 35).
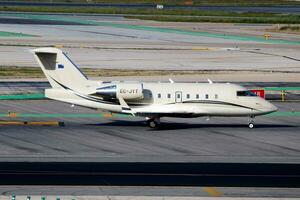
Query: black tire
point(251, 125)
point(152, 124)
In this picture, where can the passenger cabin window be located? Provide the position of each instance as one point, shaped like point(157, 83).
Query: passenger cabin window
point(197, 96)
point(169, 96)
point(159, 95)
point(206, 96)
point(216, 96)
point(187, 96)
point(245, 93)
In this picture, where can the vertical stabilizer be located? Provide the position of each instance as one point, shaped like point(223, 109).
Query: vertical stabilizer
point(60, 71)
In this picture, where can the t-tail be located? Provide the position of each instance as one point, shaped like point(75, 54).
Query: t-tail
point(60, 71)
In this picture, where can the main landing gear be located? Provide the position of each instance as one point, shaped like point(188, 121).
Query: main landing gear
point(251, 122)
point(153, 122)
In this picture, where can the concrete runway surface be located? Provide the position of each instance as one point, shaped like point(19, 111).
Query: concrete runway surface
point(105, 41)
point(89, 140)
point(275, 138)
point(161, 192)
point(109, 197)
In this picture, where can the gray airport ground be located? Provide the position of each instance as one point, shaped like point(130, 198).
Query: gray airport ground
point(147, 193)
point(274, 140)
point(128, 139)
point(119, 43)
point(104, 139)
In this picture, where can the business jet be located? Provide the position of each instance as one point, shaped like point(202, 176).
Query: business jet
point(147, 99)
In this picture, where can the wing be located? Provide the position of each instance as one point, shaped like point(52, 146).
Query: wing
point(169, 110)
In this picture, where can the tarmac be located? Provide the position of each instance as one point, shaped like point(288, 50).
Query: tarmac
point(114, 42)
point(99, 41)
point(107, 139)
point(128, 140)
point(148, 192)
point(114, 138)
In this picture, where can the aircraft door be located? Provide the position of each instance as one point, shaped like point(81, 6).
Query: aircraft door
point(178, 97)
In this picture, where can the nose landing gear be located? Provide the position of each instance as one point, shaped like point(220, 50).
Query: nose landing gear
point(251, 122)
point(251, 125)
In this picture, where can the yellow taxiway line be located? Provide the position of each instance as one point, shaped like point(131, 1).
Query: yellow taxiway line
point(213, 192)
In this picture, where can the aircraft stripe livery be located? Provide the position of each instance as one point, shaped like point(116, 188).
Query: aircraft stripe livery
point(147, 99)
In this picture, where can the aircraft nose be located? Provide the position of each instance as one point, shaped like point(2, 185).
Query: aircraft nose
point(271, 108)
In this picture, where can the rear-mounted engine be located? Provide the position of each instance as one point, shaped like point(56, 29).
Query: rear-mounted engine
point(127, 91)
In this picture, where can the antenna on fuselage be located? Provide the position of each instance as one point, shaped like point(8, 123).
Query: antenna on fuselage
point(171, 81)
point(210, 81)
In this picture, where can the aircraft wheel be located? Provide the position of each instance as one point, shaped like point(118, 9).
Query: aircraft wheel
point(251, 125)
point(152, 124)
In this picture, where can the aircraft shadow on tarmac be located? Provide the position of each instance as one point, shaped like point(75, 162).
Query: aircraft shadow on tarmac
point(177, 126)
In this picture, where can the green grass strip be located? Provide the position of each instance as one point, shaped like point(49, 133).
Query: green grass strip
point(221, 19)
point(181, 2)
point(23, 96)
point(12, 34)
point(282, 114)
point(281, 88)
point(203, 34)
point(157, 29)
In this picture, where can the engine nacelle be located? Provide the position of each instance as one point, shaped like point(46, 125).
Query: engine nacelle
point(127, 91)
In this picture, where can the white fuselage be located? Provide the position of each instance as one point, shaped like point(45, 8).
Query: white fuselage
point(152, 100)
point(173, 99)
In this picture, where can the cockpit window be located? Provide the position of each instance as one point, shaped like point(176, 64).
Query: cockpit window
point(245, 93)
